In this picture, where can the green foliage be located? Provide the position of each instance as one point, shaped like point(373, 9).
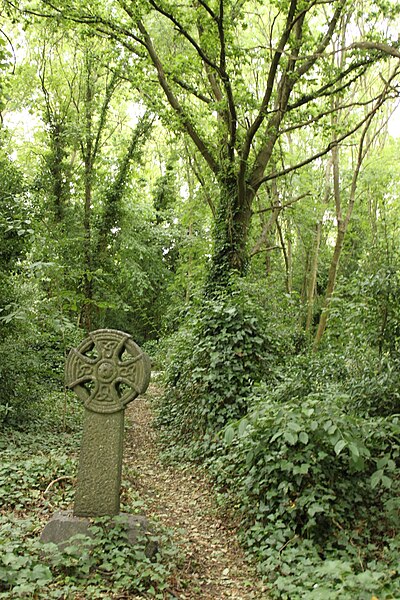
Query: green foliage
point(38, 459)
point(37, 478)
point(302, 468)
point(21, 568)
point(376, 389)
point(310, 444)
point(15, 220)
point(299, 571)
point(215, 359)
point(136, 295)
point(94, 566)
point(23, 481)
point(32, 351)
point(317, 487)
point(366, 311)
point(311, 471)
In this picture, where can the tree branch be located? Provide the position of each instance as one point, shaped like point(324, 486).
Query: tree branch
point(316, 155)
point(324, 42)
point(110, 88)
point(174, 102)
point(281, 206)
point(326, 113)
point(284, 90)
point(185, 34)
point(384, 48)
point(286, 86)
point(251, 132)
point(232, 120)
point(209, 10)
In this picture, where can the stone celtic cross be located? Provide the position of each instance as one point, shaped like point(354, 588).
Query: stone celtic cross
point(106, 371)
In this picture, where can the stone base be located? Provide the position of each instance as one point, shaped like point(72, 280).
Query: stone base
point(64, 525)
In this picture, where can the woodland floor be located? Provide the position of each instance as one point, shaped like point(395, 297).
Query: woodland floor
point(214, 566)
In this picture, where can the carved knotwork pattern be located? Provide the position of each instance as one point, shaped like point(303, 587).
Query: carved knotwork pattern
point(107, 370)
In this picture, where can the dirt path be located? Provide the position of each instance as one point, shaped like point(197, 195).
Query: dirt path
point(215, 567)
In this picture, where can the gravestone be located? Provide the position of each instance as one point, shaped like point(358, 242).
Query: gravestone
point(106, 371)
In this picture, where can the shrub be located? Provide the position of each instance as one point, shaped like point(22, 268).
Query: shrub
point(216, 358)
point(34, 337)
point(376, 390)
point(314, 485)
point(306, 466)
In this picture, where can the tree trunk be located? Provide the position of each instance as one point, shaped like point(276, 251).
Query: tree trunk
point(88, 157)
point(343, 222)
point(230, 256)
point(333, 269)
point(287, 256)
point(111, 216)
point(55, 162)
point(86, 313)
point(313, 277)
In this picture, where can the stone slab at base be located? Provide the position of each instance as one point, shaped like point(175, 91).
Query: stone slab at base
point(64, 525)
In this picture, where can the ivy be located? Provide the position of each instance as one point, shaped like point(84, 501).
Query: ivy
point(214, 362)
point(37, 478)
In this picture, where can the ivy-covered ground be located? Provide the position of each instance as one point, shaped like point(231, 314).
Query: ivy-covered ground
point(199, 556)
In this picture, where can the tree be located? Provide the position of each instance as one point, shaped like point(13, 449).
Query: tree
point(234, 78)
point(87, 150)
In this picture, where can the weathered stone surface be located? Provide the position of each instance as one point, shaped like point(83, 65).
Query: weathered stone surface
point(107, 371)
point(64, 525)
point(99, 474)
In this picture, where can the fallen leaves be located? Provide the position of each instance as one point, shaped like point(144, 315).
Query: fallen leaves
point(215, 567)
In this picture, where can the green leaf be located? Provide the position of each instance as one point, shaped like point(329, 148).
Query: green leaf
point(276, 436)
point(290, 437)
point(386, 481)
point(339, 446)
point(302, 469)
point(355, 452)
point(242, 426)
point(303, 437)
point(294, 426)
point(376, 478)
point(315, 508)
point(249, 457)
point(40, 573)
point(382, 462)
point(229, 435)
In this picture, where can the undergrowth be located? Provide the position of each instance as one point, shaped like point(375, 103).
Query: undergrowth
point(303, 448)
point(317, 489)
point(214, 361)
point(102, 566)
point(37, 478)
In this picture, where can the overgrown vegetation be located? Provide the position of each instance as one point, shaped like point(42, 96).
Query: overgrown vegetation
point(222, 182)
point(37, 478)
point(97, 567)
point(218, 356)
point(307, 455)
